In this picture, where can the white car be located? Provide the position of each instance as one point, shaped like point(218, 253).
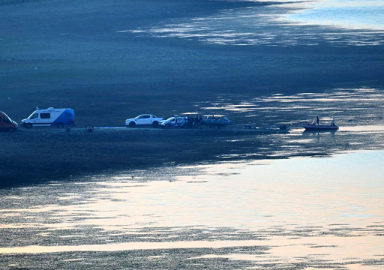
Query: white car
point(143, 120)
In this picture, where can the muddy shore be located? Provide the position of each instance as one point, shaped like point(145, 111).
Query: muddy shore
point(55, 154)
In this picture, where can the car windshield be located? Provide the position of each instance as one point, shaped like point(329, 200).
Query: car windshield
point(171, 119)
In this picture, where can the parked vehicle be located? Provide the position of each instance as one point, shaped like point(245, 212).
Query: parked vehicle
point(143, 120)
point(6, 123)
point(50, 117)
point(216, 122)
point(176, 121)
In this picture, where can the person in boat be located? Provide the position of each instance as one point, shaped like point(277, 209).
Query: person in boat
point(333, 122)
point(317, 120)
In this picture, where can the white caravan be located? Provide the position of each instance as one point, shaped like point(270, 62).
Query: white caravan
point(50, 117)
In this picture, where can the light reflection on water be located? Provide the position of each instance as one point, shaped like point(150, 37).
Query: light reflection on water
point(350, 107)
point(358, 112)
point(321, 212)
point(351, 14)
point(302, 208)
point(356, 23)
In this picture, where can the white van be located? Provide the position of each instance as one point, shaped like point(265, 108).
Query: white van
point(50, 117)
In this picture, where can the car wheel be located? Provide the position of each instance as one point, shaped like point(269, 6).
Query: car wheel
point(132, 124)
point(155, 124)
point(60, 125)
point(11, 129)
point(28, 125)
point(168, 126)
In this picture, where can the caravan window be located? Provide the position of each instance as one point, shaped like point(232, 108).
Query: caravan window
point(45, 115)
point(33, 116)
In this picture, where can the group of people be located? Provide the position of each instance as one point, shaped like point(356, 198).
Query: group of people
point(194, 121)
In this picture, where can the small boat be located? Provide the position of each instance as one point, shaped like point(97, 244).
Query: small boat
point(314, 126)
point(311, 127)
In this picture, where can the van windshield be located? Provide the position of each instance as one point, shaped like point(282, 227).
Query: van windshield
point(33, 116)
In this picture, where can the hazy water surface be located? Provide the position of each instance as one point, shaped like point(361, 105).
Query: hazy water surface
point(313, 211)
point(350, 14)
point(287, 23)
point(299, 213)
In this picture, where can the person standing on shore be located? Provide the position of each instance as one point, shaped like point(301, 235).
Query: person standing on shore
point(196, 121)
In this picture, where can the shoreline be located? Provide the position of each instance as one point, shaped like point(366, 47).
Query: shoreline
point(79, 60)
point(53, 154)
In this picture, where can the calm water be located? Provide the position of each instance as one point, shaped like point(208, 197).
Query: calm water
point(349, 14)
point(358, 111)
point(289, 23)
point(316, 212)
point(299, 213)
point(259, 210)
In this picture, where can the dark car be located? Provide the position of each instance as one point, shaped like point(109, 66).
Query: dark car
point(6, 123)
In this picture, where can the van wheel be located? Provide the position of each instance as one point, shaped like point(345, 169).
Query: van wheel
point(60, 125)
point(155, 124)
point(28, 126)
point(132, 124)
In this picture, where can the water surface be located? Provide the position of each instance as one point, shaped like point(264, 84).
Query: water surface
point(316, 212)
point(348, 14)
point(283, 24)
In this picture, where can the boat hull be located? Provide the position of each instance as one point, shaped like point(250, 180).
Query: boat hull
point(320, 127)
